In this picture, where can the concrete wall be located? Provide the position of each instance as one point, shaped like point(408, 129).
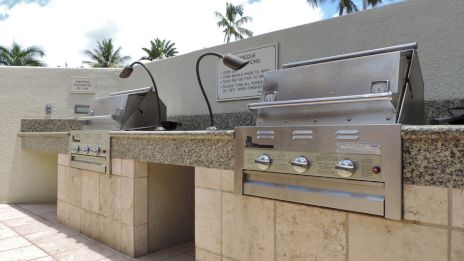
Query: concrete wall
point(437, 26)
point(28, 176)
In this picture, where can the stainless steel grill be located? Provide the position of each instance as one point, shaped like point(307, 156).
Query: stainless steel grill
point(127, 110)
point(328, 131)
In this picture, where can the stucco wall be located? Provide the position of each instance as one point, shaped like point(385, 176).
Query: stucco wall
point(29, 176)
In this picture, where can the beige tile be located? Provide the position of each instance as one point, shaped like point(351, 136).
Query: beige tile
point(182, 257)
point(457, 246)
point(38, 209)
point(61, 183)
point(227, 180)
point(426, 204)
point(207, 178)
point(31, 228)
point(141, 201)
point(127, 240)
point(110, 196)
point(309, 233)
point(116, 166)
point(87, 253)
point(23, 253)
point(55, 247)
point(110, 232)
point(141, 239)
point(203, 255)
point(63, 159)
point(50, 217)
point(45, 258)
point(127, 200)
point(73, 217)
point(19, 221)
point(160, 255)
point(51, 235)
point(11, 214)
point(141, 169)
point(61, 211)
point(247, 233)
point(208, 219)
point(90, 224)
point(90, 190)
point(134, 168)
point(458, 208)
point(73, 186)
point(6, 233)
point(12, 243)
point(373, 238)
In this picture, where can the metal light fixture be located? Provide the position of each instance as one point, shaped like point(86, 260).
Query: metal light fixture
point(229, 60)
point(127, 71)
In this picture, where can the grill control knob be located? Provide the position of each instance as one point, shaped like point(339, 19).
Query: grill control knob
point(86, 149)
point(96, 150)
point(346, 168)
point(75, 148)
point(300, 164)
point(263, 162)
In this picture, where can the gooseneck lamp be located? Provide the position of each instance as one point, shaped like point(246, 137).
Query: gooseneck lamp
point(229, 60)
point(127, 71)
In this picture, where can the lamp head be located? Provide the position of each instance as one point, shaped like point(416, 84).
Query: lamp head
point(126, 72)
point(234, 62)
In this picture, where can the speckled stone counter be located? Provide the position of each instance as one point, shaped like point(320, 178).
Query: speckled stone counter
point(187, 148)
point(433, 155)
point(49, 125)
point(51, 142)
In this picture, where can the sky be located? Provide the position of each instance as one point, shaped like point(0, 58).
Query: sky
point(65, 28)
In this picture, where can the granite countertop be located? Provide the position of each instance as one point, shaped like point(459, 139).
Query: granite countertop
point(44, 134)
point(433, 155)
point(212, 149)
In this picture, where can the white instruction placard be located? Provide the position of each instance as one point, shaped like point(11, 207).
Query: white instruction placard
point(246, 83)
point(83, 85)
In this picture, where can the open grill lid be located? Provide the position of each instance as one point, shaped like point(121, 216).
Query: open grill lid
point(382, 86)
point(124, 110)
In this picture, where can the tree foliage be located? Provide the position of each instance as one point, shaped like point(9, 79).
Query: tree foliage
point(233, 22)
point(346, 6)
point(105, 55)
point(159, 49)
point(17, 56)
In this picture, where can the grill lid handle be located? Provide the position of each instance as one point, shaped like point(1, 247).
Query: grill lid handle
point(371, 97)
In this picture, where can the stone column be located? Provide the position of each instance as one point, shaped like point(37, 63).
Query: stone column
point(109, 208)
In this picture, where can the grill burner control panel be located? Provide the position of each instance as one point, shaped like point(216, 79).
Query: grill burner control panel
point(354, 168)
point(351, 166)
point(90, 150)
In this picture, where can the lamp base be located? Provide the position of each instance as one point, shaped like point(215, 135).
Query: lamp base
point(211, 128)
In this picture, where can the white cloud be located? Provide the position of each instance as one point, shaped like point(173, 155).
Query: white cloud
point(65, 28)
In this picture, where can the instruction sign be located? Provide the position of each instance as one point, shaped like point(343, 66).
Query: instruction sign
point(246, 83)
point(83, 85)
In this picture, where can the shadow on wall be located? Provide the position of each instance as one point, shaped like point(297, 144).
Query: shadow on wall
point(33, 176)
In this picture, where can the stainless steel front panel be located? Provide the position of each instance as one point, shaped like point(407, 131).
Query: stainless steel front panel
point(369, 145)
point(90, 150)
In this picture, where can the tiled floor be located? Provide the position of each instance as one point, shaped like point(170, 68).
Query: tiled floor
point(31, 232)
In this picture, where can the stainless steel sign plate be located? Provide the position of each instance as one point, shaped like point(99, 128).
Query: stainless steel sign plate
point(246, 83)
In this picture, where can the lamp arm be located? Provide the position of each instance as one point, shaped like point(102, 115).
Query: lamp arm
point(153, 89)
point(201, 85)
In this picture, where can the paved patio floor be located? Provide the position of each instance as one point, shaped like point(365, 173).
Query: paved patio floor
point(31, 232)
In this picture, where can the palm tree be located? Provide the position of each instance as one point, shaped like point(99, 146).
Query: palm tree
point(17, 56)
point(104, 56)
point(346, 6)
point(232, 25)
point(159, 49)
